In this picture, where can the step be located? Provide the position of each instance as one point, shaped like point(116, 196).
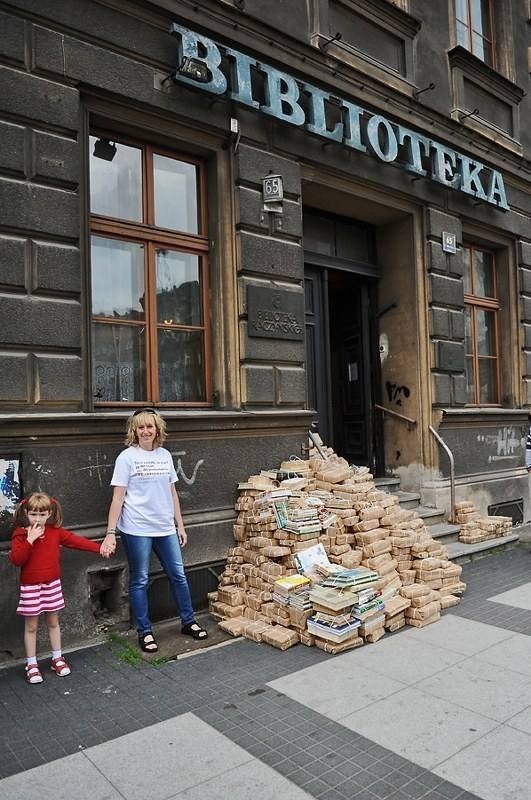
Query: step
point(407, 499)
point(387, 484)
point(445, 531)
point(431, 516)
point(461, 553)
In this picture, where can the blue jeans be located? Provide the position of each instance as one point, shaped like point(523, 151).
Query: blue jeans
point(168, 551)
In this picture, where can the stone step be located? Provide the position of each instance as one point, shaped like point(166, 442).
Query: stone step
point(461, 553)
point(388, 484)
point(407, 499)
point(431, 516)
point(445, 531)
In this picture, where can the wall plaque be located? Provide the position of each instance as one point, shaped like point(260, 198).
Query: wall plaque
point(275, 313)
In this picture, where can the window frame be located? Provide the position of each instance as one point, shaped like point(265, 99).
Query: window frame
point(471, 30)
point(152, 237)
point(483, 303)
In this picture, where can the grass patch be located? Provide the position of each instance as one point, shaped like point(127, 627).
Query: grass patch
point(129, 654)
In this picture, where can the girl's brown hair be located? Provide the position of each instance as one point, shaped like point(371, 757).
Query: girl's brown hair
point(145, 418)
point(39, 501)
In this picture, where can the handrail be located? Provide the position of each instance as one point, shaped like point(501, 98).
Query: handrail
point(318, 446)
point(410, 422)
point(452, 471)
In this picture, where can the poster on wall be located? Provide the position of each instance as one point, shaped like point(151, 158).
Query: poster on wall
point(10, 491)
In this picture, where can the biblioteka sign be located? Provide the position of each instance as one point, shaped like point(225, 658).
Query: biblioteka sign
point(359, 129)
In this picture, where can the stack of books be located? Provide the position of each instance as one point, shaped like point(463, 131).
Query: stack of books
point(292, 590)
point(333, 628)
point(359, 578)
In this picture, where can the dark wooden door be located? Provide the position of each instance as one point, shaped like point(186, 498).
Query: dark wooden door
point(351, 371)
point(342, 373)
point(317, 349)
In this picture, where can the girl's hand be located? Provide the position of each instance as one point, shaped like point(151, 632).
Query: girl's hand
point(35, 532)
point(183, 538)
point(108, 546)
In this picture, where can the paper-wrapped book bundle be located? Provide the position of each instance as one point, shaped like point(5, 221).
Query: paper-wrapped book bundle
point(323, 557)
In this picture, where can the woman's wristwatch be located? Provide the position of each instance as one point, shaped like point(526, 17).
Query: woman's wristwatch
point(111, 531)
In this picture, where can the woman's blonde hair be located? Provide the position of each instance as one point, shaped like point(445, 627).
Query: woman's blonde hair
point(39, 501)
point(145, 417)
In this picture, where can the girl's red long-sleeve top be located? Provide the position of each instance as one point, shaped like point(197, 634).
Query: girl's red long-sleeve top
point(40, 561)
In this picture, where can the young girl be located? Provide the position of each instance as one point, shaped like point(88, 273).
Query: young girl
point(35, 545)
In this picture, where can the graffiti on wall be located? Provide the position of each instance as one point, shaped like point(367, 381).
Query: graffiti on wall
point(98, 466)
point(395, 392)
point(179, 469)
point(505, 444)
point(10, 490)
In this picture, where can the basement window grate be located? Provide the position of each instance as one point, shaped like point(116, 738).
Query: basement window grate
point(511, 508)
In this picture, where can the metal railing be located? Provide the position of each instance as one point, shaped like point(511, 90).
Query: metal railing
point(450, 455)
point(411, 423)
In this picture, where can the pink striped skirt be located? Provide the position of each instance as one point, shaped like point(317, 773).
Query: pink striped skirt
point(38, 597)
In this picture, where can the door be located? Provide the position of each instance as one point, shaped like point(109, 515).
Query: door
point(317, 355)
point(342, 364)
point(348, 301)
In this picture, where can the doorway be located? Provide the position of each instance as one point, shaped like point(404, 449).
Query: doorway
point(342, 358)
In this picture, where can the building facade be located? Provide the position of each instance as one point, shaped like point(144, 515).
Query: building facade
point(252, 215)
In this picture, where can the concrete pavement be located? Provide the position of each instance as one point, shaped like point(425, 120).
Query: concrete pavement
point(441, 713)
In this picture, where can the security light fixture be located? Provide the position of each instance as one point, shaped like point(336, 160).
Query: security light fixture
point(194, 68)
point(104, 149)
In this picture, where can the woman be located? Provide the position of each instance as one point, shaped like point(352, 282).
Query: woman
point(145, 509)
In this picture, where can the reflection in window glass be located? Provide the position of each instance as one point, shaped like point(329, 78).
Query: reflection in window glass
point(466, 267)
point(116, 186)
point(117, 278)
point(486, 334)
point(118, 362)
point(468, 330)
point(178, 289)
point(469, 365)
point(175, 194)
point(483, 274)
point(488, 386)
point(180, 366)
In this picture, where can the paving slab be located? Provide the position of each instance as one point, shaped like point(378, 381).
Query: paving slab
point(520, 597)
point(458, 634)
point(394, 655)
point(418, 726)
point(160, 761)
point(495, 767)
point(513, 654)
point(73, 776)
point(338, 688)
point(252, 780)
point(483, 688)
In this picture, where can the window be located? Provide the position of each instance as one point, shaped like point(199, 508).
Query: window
point(482, 309)
point(149, 276)
point(474, 29)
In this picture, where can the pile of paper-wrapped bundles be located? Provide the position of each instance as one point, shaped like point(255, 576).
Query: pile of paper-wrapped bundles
point(475, 528)
point(325, 558)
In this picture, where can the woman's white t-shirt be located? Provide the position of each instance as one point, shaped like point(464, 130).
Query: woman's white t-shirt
point(148, 506)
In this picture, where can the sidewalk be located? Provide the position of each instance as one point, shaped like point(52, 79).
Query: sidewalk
point(441, 713)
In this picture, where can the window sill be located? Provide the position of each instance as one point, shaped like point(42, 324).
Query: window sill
point(469, 69)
